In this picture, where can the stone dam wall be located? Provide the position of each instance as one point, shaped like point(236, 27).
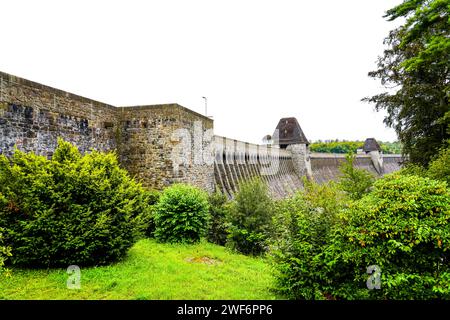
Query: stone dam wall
point(282, 169)
point(325, 167)
point(160, 144)
point(236, 161)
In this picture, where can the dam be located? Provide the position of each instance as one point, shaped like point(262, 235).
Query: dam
point(168, 143)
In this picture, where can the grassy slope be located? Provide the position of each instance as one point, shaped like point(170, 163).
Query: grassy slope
point(152, 271)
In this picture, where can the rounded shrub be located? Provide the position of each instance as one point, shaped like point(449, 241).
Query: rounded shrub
point(182, 214)
point(72, 209)
point(251, 218)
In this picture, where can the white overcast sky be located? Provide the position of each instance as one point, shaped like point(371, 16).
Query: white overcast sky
point(255, 60)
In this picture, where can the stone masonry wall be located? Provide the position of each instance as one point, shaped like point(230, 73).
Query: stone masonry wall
point(152, 135)
point(33, 116)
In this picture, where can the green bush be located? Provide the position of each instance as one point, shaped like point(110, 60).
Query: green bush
point(327, 197)
point(181, 214)
point(303, 225)
point(411, 169)
point(5, 253)
point(219, 211)
point(72, 209)
point(401, 227)
point(151, 200)
point(355, 182)
point(251, 218)
point(439, 168)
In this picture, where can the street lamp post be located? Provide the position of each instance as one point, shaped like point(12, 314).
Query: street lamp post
point(206, 106)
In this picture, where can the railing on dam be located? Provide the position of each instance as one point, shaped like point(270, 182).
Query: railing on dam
point(236, 161)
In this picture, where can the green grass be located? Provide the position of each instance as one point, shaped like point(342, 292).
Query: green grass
point(153, 271)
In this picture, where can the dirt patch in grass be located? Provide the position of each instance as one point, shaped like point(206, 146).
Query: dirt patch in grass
point(204, 260)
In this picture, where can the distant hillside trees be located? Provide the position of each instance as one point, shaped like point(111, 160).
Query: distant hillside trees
point(336, 146)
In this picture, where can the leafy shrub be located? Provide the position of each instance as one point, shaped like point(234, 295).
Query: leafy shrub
point(303, 227)
point(5, 253)
point(355, 182)
point(219, 211)
point(326, 197)
point(72, 209)
point(151, 199)
point(401, 226)
point(251, 218)
point(412, 169)
point(439, 167)
point(181, 214)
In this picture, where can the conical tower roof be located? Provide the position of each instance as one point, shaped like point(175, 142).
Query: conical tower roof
point(288, 131)
point(371, 145)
